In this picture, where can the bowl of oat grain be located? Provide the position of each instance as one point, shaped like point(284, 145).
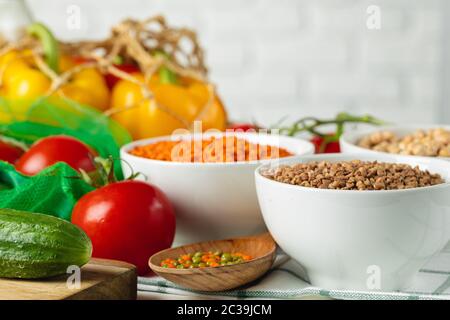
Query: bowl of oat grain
point(357, 221)
point(412, 140)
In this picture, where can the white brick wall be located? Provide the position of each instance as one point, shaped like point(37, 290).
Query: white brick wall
point(272, 58)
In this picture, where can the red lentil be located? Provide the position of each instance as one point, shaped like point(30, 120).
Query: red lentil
point(225, 149)
point(205, 259)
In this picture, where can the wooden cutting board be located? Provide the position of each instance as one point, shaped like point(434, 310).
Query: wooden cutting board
point(100, 279)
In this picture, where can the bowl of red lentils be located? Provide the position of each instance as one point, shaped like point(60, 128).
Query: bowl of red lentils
point(209, 178)
point(358, 221)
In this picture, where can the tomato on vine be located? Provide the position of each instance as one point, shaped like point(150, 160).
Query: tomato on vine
point(326, 142)
point(127, 220)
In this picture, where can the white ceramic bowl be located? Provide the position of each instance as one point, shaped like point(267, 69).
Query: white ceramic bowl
point(349, 140)
point(364, 240)
point(211, 200)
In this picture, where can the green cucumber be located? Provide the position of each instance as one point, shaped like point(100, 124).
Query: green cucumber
point(34, 245)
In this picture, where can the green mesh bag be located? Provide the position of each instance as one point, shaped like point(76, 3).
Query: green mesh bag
point(28, 122)
point(54, 191)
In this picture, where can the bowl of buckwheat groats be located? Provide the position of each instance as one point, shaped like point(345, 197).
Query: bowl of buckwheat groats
point(357, 221)
point(413, 140)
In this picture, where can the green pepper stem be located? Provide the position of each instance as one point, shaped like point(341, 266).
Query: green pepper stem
point(166, 76)
point(49, 44)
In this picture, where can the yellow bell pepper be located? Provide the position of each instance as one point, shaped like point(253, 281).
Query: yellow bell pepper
point(176, 104)
point(20, 78)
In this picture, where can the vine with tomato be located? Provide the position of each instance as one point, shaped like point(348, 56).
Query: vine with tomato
point(327, 142)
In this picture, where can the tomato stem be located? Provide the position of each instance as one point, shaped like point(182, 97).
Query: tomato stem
point(311, 125)
point(104, 172)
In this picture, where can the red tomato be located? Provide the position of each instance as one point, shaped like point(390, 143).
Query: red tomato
point(243, 127)
point(128, 221)
point(9, 153)
point(81, 60)
point(50, 150)
point(111, 79)
point(330, 147)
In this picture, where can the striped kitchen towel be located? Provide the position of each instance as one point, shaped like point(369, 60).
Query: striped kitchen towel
point(285, 281)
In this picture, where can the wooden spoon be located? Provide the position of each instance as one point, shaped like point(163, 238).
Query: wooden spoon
point(262, 248)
